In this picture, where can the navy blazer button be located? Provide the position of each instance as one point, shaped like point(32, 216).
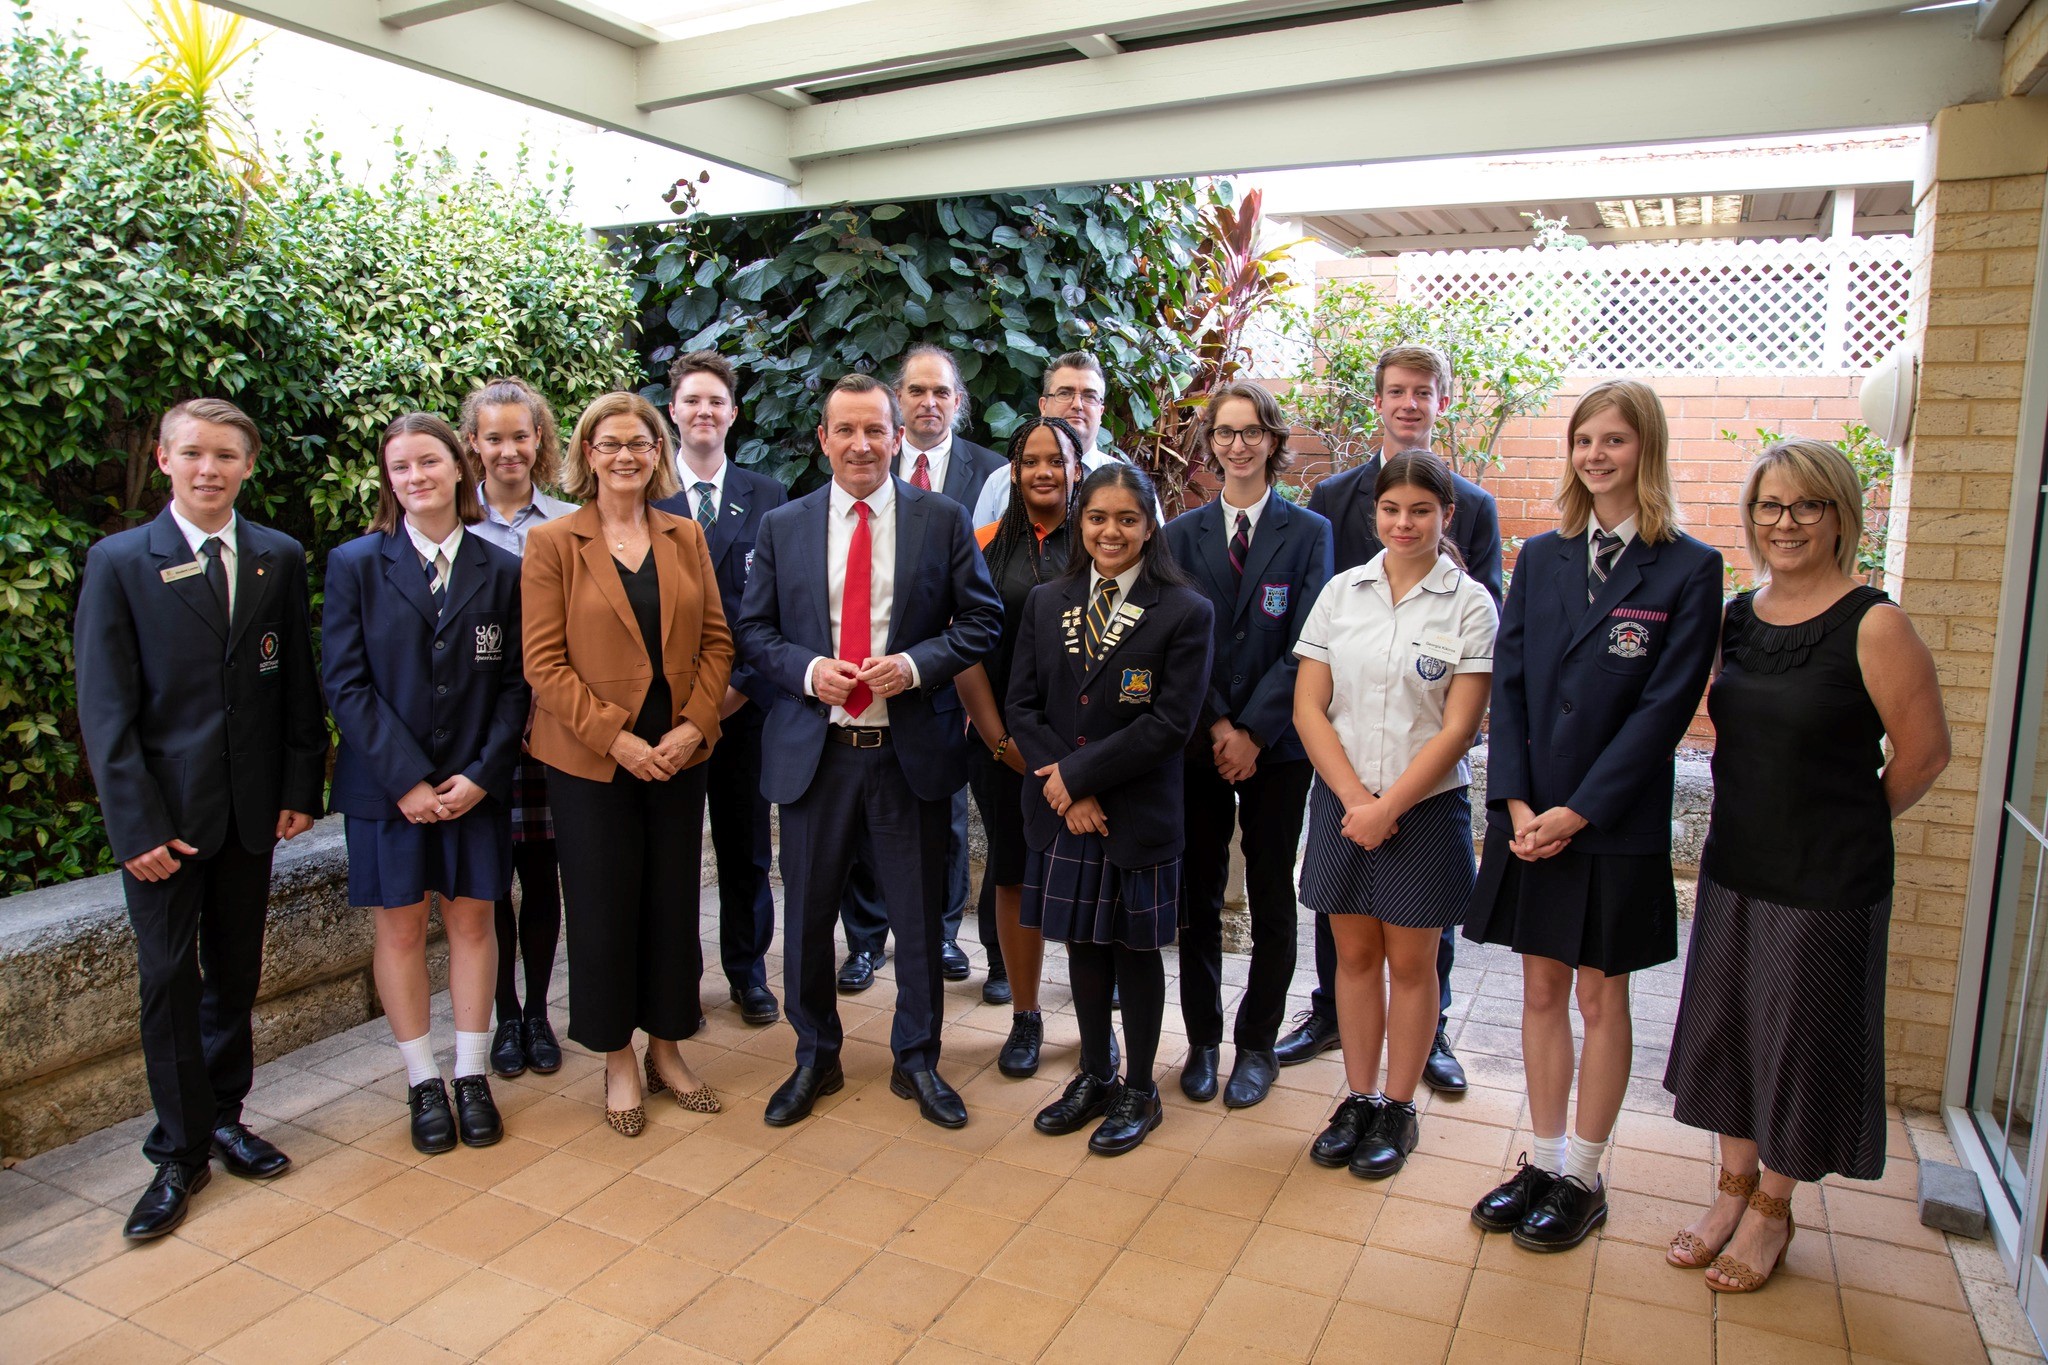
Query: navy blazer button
point(440, 644)
point(1237, 679)
point(1240, 635)
point(1567, 708)
point(443, 689)
point(440, 734)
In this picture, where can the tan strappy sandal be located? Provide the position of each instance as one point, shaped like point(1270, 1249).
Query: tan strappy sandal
point(1689, 1250)
point(1741, 1278)
point(702, 1100)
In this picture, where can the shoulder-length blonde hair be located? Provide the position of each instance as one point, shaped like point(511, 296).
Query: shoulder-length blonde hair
point(577, 480)
point(1816, 469)
point(1657, 518)
point(390, 516)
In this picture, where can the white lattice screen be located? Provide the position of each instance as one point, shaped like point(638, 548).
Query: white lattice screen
point(1716, 307)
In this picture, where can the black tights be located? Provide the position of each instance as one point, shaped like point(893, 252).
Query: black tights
point(539, 929)
point(1095, 971)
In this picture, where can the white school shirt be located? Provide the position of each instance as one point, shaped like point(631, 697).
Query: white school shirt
point(1627, 532)
point(230, 553)
point(936, 460)
point(427, 549)
point(1387, 695)
point(840, 520)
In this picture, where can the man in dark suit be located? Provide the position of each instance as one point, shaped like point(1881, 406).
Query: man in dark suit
point(868, 596)
point(933, 457)
point(201, 715)
point(729, 502)
point(1411, 390)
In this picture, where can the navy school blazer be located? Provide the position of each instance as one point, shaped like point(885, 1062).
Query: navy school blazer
point(1347, 500)
point(945, 616)
point(1590, 701)
point(416, 698)
point(748, 497)
point(1116, 727)
point(1258, 619)
point(187, 719)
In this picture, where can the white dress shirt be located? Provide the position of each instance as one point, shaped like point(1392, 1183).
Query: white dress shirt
point(840, 520)
point(1388, 679)
point(691, 478)
point(427, 549)
point(937, 459)
point(1627, 532)
point(1251, 514)
point(230, 554)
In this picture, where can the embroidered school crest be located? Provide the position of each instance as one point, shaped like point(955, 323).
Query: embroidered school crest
point(1628, 640)
point(1136, 685)
point(490, 644)
point(1431, 669)
point(266, 653)
point(1273, 599)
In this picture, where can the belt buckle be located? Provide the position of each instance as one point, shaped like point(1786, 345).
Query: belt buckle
point(867, 739)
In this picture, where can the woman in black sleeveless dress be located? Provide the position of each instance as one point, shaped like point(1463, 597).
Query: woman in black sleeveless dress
point(1779, 1046)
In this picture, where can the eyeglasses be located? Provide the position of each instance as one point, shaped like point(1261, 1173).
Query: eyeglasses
point(639, 446)
point(1805, 512)
point(1231, 436)
point(1077, 398)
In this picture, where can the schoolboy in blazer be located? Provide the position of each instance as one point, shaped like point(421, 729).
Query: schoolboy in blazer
point(1346, 501)
point(1260, 608)
point(886, 773)
point(201, 716)
point(704, 405)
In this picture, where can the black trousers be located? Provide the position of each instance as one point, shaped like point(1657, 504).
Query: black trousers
point(1269, 807)
point(630, 853)
point(740, 839)
point(1323, 999)
point(859, 798)
point(986, 792)
point(199, 954)
point(867, 921)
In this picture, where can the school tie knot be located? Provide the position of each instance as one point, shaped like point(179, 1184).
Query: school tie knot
point(706, 513)
point(1100, 613)
point(921, 474)
point(216, 574)
point(1606, 549)
point(1240, 544)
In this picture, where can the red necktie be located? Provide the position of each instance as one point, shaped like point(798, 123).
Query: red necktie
point(922, 475)
point(856, 629)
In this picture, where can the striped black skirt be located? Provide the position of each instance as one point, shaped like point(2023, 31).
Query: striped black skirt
point(1421, 878)
point(1780, 1036)
point(1074, 894)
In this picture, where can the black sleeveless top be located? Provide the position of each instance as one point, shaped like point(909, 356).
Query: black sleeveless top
point(643, 594)
point(1800, 816)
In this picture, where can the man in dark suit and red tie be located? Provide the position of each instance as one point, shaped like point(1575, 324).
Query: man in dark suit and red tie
point(201, 714)
point(867, 597)
point(729, 502)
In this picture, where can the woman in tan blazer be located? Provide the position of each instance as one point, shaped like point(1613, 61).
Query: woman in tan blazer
point(610, 590)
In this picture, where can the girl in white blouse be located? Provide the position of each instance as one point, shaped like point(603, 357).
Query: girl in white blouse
point(1396, 660)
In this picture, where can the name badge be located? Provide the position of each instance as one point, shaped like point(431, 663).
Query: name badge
point(179, 571)
point(1442, 647)
point(1128, 612)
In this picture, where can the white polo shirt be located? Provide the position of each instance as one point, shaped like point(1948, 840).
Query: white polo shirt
point(1390, 662)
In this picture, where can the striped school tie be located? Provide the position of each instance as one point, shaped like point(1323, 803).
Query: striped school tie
point(437, 582)
point(706, 513)
point(1100, 613)
point(1240, 545)
point(1606, 549)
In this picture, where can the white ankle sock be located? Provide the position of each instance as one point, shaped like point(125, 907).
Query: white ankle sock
point(1582, 1160)
point(1547, 1154)
point(419, 1059)
point(472, 1053)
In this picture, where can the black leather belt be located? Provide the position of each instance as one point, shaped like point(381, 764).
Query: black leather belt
point(857, 736)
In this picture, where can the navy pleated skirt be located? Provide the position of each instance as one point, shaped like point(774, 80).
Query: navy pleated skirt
point(395, 862)
point(1074, 894)
point(1421, 878)
point(1613, 912)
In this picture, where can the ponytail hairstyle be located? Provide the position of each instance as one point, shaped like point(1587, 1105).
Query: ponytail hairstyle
point(547, 433)
point(1422, 469)
point(1156, 566)
point(1014, 529)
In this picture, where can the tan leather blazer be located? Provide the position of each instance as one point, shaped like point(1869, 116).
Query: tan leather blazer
point(585, 658)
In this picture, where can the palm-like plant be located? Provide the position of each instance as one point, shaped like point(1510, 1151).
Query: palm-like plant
point(196, 47)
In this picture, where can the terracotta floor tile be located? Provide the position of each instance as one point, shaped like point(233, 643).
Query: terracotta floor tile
point(1100, 1334)
point(1096, 1212)
point(110, 1177)
point(1006, 1191)
point(1855, 1213)
point(338, 1177)
point(633, 1207)
point(1456, 1185)
point(1910, 1332)
point(913, 1168)
point(600, 1144)
point(392, 1282)
point(1570, 1270)
point(474, 1313)
point(1629, 1333)
point(48, 1324)
point(1192, 1236)
point(1449, 1135)
point(644, 1286)
point(806, 1263)
point(1222, 1187)
point(1258, 1145)
point(958, 1238)
point(123, 1342)
point(557, 1182)
point(1479, 1104)
point(659, 1350)
point(1735, 1341)
point(834, 1145)
point(1899, 1271)
point(1329, 1203)
point(70, 1248)
point(481, 1168)
point(313, 1254)
point(1509, 1306)
point(1149, 1171)
point(237, 1227)
point(32, 1207)
point(481, 1229)
point(1662, 1133)
point(1794, 1307)
point(898, 1292)
point(17, 1289)
point(1412, 1286)
point(307, 1329)
point(1472, 1347)
point(1430, 1230)
point(1206, 1348)
point(830, 1337)
point(1267, 1316)
point(566, 1333)
point(1298, 1260)
point(1624, 1270)
point(211, 1309)
point(1156, 1290)
point(1025, 1146)
point(778, 1187)
point(1646, 1219)
point(1002, 1320)
point(560, 1256)
point(737, 1318)
point(716, 1234)
point(553, 1120)
point(1053, 1263)
point(405, 1201)
point(147, 1273)
point(391, 1346)
point(1358, 1331)
point(860, 1212)
point(1632, 1170)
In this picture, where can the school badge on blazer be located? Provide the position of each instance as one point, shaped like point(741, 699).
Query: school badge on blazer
point(1628, 640)
point(267, 653)
point(490, 644)
point(1135, 685)
point(1273, 599)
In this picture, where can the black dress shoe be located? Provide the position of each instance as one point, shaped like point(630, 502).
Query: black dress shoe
point(1442, 1072)
point(937, 1101)
point(543, 1053)
point(476, 1113)
point(246, 1155)
point(1085, 1099)
point(433, 1123)
point(162, 1206)
point(1335, 1144)
point(1564, 1217)
point(996, 989)
point(1019, 1057)
point(793, 1099)
point(1503, 1207)
point(757, 1004)
point(1131, 1115)
point(1384, 1146)
point(508, 1049)
point(1251, 1078)
point(1313, 1035)
point(859, 972)
point(1198, 1073)
point(953, 964)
